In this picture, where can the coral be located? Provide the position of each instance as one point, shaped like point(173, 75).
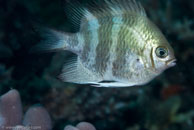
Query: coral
point(171, 91)
point(36, 117)
point(81, 126)
point(11, 114)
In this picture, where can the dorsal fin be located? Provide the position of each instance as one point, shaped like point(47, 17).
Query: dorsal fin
point(103, 8)
point(75, 12)
point(117, 7)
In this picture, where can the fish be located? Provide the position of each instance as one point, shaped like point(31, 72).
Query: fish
point(116, 45)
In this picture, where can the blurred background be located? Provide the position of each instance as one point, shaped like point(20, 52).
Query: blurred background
point(166, 103)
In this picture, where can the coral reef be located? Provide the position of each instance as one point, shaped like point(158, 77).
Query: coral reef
point(36, 117)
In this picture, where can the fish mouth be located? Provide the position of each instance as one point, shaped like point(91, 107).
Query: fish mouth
point(171, 62)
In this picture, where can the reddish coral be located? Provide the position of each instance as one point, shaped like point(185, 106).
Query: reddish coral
point(171, 90)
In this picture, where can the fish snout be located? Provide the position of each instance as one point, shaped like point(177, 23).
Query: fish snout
point(171, 62)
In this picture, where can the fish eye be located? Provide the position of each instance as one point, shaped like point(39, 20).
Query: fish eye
point(161, 52)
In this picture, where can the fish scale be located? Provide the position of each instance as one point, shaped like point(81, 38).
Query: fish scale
point(116, 26)
point(102, 50)
point(116, 42)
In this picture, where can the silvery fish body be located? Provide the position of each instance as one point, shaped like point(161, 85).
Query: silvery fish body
point(117, 43)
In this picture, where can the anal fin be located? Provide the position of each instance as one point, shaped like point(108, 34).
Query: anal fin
point(75, 72)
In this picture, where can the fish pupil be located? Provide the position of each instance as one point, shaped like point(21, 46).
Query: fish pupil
point(161, 52)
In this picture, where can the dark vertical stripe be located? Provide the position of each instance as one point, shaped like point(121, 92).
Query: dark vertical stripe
point(73, 43)
point(129, 19)
point(104, 45)
point(121, 50)
point(86, 47)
